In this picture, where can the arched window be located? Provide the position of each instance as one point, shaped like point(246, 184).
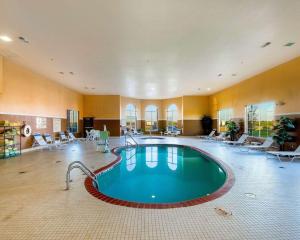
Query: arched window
point(172, 116)
point(130, 116)
point(151, 118)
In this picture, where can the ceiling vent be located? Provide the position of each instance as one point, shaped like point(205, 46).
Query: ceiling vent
point(289, 44)
point(265, 44)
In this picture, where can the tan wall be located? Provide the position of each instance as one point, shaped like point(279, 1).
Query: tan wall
point(102, 106)
point(28, 93)
point(281, 83)
point(1, 74)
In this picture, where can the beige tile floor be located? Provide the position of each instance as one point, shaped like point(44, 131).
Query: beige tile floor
point(34, 204)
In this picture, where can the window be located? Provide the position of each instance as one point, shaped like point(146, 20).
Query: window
point(130, 116)
point(260, 119)
point(224, 116)
point(41, 122)
point(172, 116)
point(72, 121)
point(151, 118)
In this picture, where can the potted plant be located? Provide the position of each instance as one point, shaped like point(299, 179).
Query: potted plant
point(232, 129)
point(281, 129)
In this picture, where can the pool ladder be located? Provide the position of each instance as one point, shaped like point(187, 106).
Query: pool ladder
point(128, 143)
point(84, 169)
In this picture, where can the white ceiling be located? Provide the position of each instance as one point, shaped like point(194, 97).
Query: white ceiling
point(153, 48)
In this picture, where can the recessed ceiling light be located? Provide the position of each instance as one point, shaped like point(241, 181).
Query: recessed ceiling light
point(62, 73)
point(289, 44)
point(72, 73)
point(208, 89)
point(265, 44)
point(199, 89)
point(5, 38)
point(220, 75)
point(86, 88)
point(93, 88)
point(23, 39)
point(234, 74)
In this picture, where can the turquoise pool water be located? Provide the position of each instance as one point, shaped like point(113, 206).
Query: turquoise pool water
point(161, 174)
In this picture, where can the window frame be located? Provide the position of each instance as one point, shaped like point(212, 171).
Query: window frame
point(227, 118)
point(73, 121)
point(152, 120)
point(269, 121)
point(132, 123)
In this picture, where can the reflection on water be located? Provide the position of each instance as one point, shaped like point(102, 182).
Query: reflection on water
point(130, 159)
point(172, 158)
point(151, 157)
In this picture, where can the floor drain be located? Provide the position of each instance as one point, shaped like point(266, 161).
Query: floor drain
point(222, 212)
point(250, 195)
point(22, 172)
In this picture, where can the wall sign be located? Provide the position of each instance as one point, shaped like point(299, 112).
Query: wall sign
point(41, 122)
point(56, 125)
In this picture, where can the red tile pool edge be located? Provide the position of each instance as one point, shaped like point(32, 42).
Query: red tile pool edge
point(220, 192)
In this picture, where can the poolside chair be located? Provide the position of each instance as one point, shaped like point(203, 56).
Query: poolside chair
point(39, 141)
point(63, 138)
point(240, 141)
point(220, 137)
point(72, 138)
point(50, 141)
point(212, 133)
point(266, 145)
point(292, 155)
point(136, 133)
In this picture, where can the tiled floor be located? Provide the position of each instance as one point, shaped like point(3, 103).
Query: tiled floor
point(34, 204)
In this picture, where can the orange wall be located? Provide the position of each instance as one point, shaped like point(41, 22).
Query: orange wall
point(28, 93)
point(279, 84)
point(195, 107)
point(1, 74)
point(102, 106)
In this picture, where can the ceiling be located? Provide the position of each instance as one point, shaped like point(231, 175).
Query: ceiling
point(150, 49)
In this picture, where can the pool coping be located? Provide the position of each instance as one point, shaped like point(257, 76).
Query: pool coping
point(230, 179)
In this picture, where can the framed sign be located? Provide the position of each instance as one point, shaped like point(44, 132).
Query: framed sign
point(56, 125)
point(41, 122)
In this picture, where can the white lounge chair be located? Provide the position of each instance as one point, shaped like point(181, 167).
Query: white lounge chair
point(292, 155)
point(72, 138)
point(39, 141)
point(63, 138)
point(240, 141)
point(210, 136)
point(136, 133)
point(265, 146)
point(220, 137)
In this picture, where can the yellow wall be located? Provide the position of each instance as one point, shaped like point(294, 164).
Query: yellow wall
point(29, 93)
point(102, 106)
point(1, 74)
point(195, 107)
point(280, 84)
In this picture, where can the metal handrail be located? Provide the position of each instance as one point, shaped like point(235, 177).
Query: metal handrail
point(84, 169)
point(130, 143)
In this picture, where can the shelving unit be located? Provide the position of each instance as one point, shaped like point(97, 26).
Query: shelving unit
point(10, 141)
